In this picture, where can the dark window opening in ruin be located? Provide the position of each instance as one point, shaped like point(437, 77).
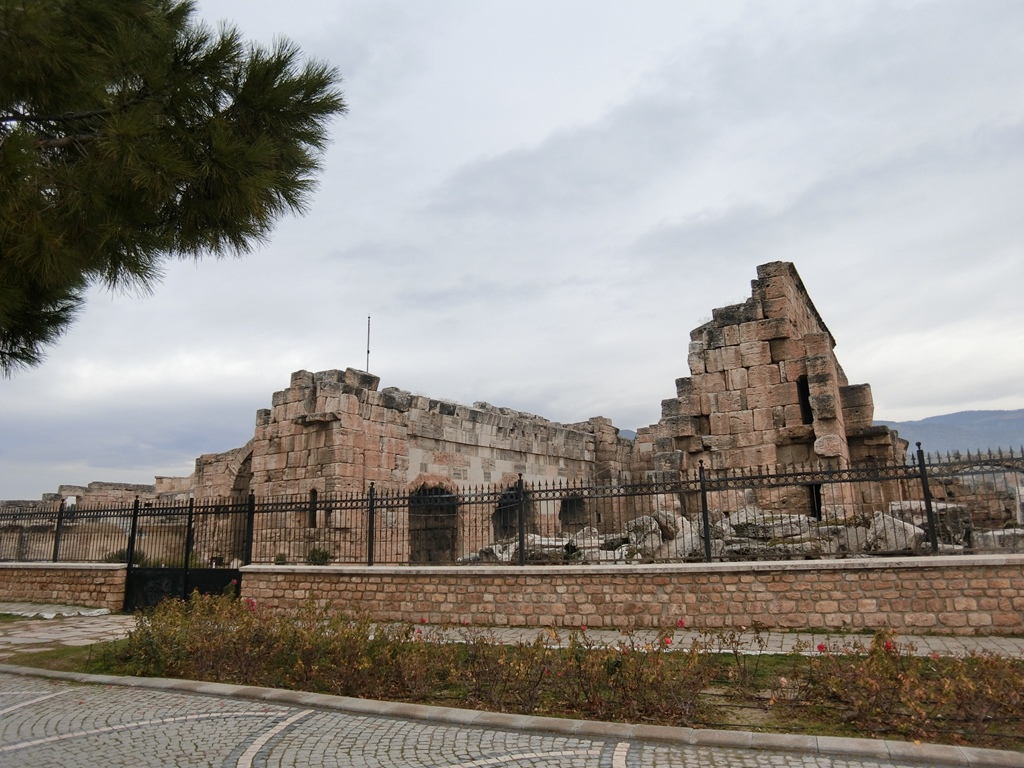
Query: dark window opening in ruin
point(433, 525)
point(803, 392)
point(505, 519)
point(311, 511)
point(814, 492)
point(572, 514)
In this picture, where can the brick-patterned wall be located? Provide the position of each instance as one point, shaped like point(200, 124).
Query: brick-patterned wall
point(949, 595)
point(99, 585)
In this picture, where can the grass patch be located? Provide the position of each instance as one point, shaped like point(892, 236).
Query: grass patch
point(10, 618)
point(95, 659)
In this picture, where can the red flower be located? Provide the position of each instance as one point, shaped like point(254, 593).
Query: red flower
point(680, 623)
point(423, 619)
point(888, 645)
point(668, 641)
point(583, 627)
point(822, 648)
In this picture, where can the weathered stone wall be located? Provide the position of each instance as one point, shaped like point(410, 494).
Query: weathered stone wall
point(948, 595)
point(89, 584)
point(333, 432)
point(223, 475)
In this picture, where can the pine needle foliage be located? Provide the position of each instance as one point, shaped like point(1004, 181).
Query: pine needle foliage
point(130, 134)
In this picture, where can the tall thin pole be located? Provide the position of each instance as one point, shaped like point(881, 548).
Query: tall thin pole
point(367, 343)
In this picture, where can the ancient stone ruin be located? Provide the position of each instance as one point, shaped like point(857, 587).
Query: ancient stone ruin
point(765, 390)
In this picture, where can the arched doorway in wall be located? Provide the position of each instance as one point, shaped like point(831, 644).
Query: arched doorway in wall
point(433, 525)
point(505, 518)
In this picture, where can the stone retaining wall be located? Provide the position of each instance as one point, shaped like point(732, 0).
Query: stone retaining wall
point(981, 594)
point(95, 585)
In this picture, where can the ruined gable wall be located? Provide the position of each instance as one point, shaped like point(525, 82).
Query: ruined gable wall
point(765, 389)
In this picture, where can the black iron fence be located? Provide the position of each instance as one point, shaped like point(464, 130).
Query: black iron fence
point(955, 504)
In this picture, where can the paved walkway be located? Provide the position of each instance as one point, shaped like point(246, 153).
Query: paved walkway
point(66, 719)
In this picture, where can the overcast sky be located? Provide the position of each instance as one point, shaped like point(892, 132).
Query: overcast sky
point(537, 201)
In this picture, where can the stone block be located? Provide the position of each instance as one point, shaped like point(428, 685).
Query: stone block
point(736, 378)
point(737, 314)
point(783, 394)
point(680, 426)
point(720, 424)
point(766, 330)
point(301, 379)
point(778, 307)
point(763, 376)
point(709, 383)
point(858, 418)
point(818, 344)
point(824, 407)
point(766, 419)
point(792, 370)
point(786, 349)
point(741, 422)
point(712, 361)
point(729, 401)
point(856, 396)
point(731, 357)
point(755, 353)
point(829, 446)
point(723, 442)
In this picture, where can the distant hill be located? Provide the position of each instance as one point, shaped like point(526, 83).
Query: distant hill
point(964, 431)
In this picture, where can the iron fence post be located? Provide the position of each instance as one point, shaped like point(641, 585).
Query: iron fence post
point(58, 531)
point(522, 519)
point(932, 533)
point(704, 516)
point(250, 526)
point(189, 543)
point(371, 529)
point(130, 554)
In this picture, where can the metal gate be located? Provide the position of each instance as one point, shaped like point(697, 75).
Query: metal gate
point(175, 551)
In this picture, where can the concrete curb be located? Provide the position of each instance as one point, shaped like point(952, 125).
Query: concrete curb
point(895, 751)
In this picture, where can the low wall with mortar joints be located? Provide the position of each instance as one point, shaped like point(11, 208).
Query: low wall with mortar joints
point(94, 585)
point(981, 594)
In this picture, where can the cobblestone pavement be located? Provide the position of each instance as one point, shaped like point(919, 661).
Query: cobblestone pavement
point(56, 723)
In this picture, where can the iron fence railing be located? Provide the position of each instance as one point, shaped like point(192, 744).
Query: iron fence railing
point(933, 505)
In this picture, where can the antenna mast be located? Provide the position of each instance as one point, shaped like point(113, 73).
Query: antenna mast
point(367, 343)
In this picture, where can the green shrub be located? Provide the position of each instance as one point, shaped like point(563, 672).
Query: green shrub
point(121, 556)
point(317, 556)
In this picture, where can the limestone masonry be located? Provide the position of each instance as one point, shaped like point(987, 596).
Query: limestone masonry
point(765, 389)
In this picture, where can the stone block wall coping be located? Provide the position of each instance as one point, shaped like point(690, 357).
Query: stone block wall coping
point(63, 566)
point(760, 566)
